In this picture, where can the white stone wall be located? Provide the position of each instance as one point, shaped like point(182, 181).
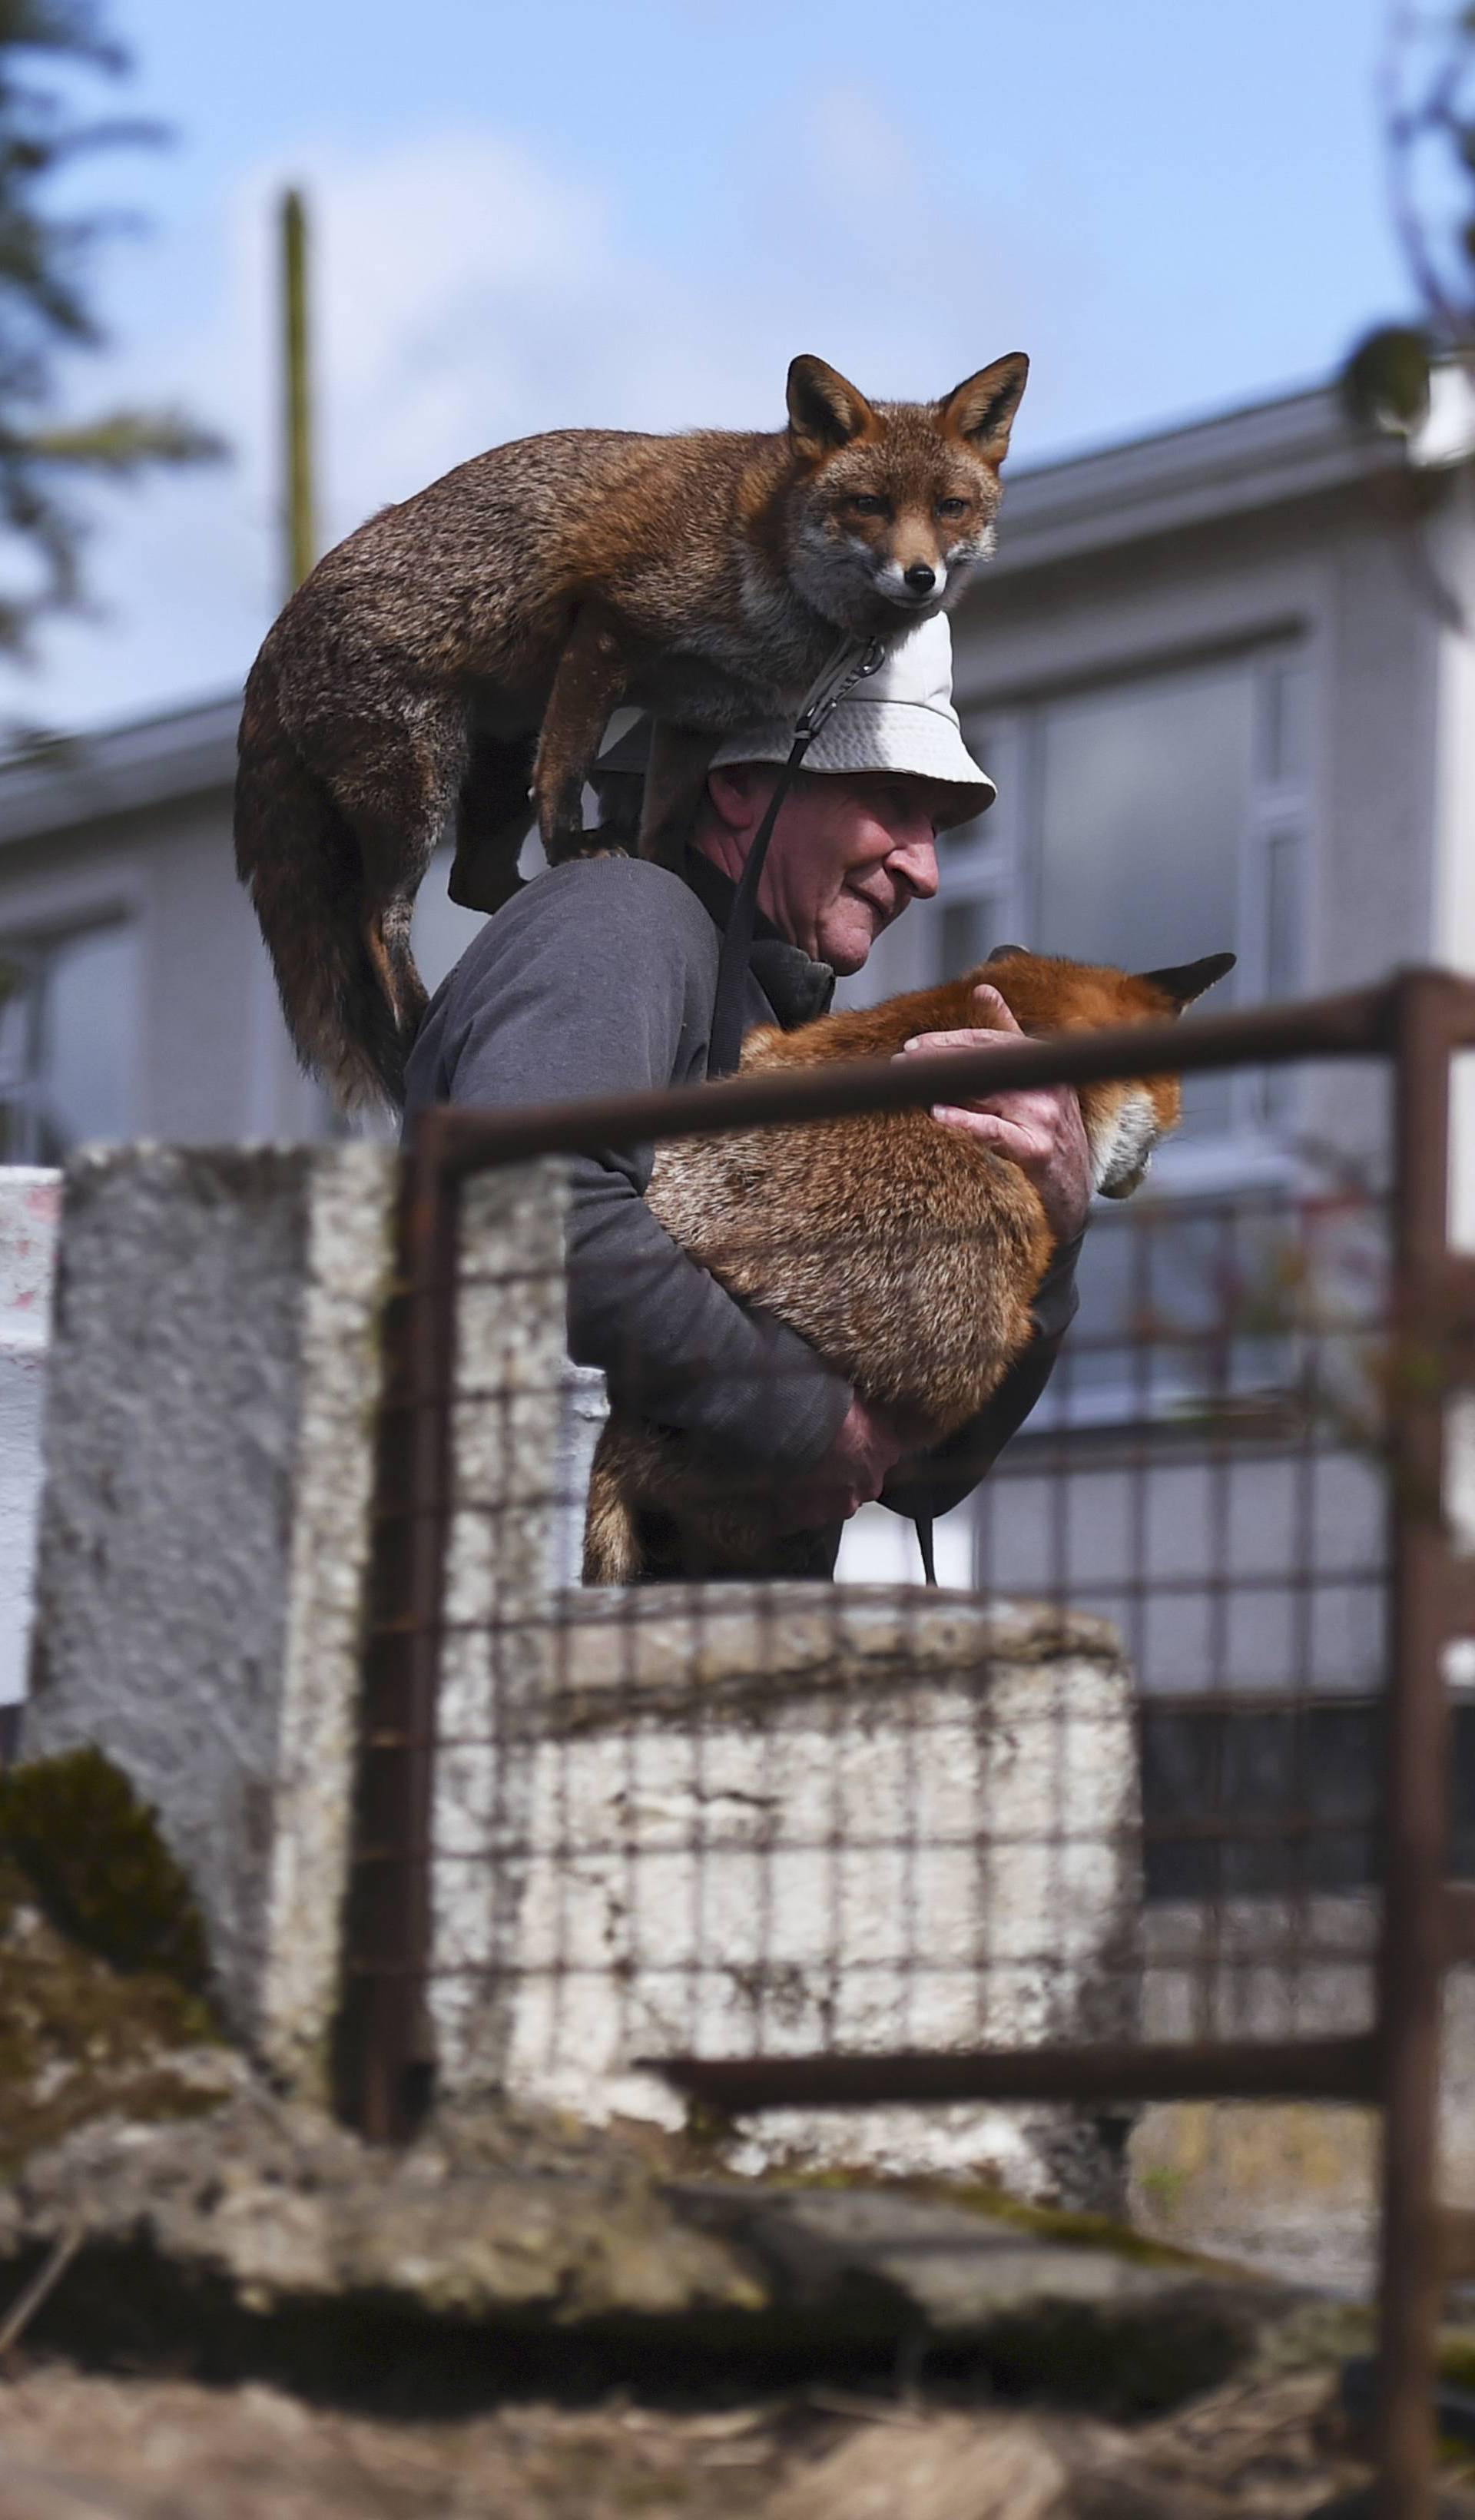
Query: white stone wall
point(31, 1206)
point(770, 1819)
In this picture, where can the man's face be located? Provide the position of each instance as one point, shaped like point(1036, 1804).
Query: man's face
point(848, 855)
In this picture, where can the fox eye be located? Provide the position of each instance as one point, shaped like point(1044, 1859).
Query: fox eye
point(952, 507)
point(864, 504)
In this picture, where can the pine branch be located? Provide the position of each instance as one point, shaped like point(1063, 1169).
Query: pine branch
point(122, 442)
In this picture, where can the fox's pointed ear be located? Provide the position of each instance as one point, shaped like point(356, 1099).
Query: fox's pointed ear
point(1186, 981)
point(982, 408)
point(825, 411)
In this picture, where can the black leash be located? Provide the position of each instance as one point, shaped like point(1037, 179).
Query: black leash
point(922, 1523)
point(850, 664)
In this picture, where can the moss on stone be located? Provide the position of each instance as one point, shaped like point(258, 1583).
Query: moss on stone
point(80, 2040)
point(1041, 2221)
point(98, 1868)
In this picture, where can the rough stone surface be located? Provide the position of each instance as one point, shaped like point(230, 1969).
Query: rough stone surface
point(31, 1206)
point(265, 2211)
point(205, 1529)
point(740, 1819)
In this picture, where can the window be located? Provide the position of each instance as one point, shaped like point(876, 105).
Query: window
point(1149, 822)
point(1139, 823)
point(69, 1031)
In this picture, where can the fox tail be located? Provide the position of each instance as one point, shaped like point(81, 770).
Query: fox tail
point(350, 992)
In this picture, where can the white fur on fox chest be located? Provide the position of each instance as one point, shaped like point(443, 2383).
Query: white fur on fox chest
point(1122, 1141)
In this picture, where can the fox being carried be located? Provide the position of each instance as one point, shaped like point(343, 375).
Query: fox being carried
point(461, 654)
point(905, 1252)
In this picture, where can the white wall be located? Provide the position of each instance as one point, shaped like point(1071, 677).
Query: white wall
point(31, 1206)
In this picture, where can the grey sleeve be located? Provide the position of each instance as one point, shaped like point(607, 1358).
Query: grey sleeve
point(599, 981)
point(942, 1478)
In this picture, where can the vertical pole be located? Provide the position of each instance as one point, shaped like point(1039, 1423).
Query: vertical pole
point(385, 2048)
point(1414, 1949)
point(301, 532)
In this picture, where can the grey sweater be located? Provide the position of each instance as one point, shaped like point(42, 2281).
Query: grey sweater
point(598, 977)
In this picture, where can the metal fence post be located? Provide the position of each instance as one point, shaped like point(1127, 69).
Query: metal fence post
point(1415, 1942)
point(384, 2061)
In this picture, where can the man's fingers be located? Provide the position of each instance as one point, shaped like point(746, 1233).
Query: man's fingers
point(993, 1018)
point(924, 1043)
point(990, 1130)
point(995, 1012)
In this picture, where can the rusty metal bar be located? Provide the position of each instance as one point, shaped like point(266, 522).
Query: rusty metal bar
point(1301, 2069)
point(1356, 1025)
point(1415, 1898)
point(1459, 1922)
point(385, 2055)
point(1456, 2228)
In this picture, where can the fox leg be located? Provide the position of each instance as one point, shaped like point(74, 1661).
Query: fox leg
point(588, 687)
point(492, 815)
point(675, 777)
point(393, 781)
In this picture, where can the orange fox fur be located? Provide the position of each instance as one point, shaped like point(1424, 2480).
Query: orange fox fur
point(473, 643)
point(906, 1253)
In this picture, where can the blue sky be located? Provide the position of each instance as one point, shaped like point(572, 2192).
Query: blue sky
point(567, 212)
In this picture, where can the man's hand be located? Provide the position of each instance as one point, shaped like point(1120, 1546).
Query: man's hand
point(1040, 1128)
point(852, 1474)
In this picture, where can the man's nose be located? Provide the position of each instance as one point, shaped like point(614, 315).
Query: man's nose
point(915, 862)
point(920, 578)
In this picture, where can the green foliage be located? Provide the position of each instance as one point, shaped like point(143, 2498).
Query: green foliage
point(46, 258)
point(98, 1868)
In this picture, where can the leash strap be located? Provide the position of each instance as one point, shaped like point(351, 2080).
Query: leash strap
point(849, 663)
point(922, 1524)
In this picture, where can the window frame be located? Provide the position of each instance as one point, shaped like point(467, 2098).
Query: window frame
point(999, 860)
point(36, 946)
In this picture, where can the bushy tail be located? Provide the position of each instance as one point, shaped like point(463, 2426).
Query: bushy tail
point(350, 988)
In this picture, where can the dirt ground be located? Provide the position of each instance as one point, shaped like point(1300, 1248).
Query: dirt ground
point(76, 2447)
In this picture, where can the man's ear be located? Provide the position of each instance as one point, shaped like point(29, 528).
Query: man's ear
point(729, 793)
point(982, 408)
point(1183, 982)
point(825, 411)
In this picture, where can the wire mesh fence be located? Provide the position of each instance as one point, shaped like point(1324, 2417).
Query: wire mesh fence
point(1153, 1803)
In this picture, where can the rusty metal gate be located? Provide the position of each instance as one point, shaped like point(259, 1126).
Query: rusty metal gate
point(1276, 1892)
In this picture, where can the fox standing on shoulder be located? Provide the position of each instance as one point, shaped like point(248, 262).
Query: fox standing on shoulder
point(906, 1253)
point(473, 643)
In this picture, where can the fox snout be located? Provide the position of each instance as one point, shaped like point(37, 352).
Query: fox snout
point(917, 585)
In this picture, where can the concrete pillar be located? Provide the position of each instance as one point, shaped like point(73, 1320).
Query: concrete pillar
point(205, 1532)
point(31, 1206)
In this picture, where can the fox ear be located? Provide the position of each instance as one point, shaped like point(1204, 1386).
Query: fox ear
point(1186, 981)
point(982, 408)
point(823, 410)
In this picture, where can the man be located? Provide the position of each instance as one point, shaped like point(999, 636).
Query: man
point(599, 977)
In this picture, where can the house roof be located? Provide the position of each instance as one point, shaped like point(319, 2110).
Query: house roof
point(1263, 455)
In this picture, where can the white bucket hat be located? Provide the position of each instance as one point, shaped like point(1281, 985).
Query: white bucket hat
point(901, 719)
